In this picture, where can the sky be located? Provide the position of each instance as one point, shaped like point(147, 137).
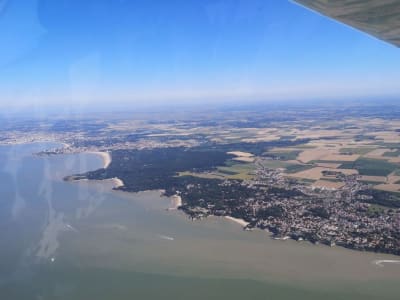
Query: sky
point(148, 52)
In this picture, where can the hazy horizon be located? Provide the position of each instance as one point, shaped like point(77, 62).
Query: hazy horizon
point(120, 109)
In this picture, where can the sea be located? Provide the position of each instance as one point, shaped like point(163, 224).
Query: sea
point(83, 241)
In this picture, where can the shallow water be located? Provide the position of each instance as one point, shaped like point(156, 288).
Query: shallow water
point(81, 240)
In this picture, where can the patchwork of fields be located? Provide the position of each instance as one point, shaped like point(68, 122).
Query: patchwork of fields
point(368, 148)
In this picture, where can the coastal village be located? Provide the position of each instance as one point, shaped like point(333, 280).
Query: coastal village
point(304, 176)
point(320, 215)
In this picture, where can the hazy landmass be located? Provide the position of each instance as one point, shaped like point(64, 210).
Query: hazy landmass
point(326, 174)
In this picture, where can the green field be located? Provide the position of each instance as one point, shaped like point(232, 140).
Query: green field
point(375, 210)
point(331, 179)
point(369, 182)
point(360, 150)
point(361, 137)
point(202, 175)
point(238, 171)
point(231, 170)
point(284, 155)
point(392, 154)
point(298, 168)
point(371, 167)
point(305, 181)
point(389, 145)
point(274, 164)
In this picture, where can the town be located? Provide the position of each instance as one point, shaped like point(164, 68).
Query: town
point(323, 174)
point(290, 209)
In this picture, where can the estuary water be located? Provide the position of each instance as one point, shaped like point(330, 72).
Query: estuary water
point(81, 240)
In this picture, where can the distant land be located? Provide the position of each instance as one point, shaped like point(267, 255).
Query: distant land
point(325, 173)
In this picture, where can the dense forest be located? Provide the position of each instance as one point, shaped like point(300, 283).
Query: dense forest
point(157, 168)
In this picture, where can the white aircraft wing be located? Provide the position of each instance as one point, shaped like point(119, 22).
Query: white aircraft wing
point(380, 18)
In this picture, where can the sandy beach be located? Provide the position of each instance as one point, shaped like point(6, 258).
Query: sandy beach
point(381, 262)
point(65, 145)
point(117, 182)
point(106, 156)
point(176, 202)
point(238, 221)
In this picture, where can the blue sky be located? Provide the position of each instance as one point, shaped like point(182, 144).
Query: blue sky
point(85, 52)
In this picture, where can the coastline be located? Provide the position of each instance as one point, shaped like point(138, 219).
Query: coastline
point(176, 202)
point(106, 156)
point(382, 262)
point(116, 182)
point(241, 222)
point(65, 145)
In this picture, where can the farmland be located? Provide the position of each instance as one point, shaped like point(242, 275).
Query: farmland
point(323, 174)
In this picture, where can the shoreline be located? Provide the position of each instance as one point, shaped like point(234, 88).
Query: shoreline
point(241, 222)
point(117, 183)
point(106, 157)
point(176, 202)
point(65, 145)
point(382, 262)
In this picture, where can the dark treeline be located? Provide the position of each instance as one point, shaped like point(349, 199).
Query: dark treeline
point(157, 168)
point(382, 198)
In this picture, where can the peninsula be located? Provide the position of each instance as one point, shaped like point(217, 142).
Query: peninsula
point(325, 174)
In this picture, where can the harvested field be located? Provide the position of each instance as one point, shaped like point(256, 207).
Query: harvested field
point(341, 157)
point(313, 154)
point(390, 187)
point(268, 138)
point(244, 159)
point(328, 165)
point(326, 154)
point(285, 149)
point(379, 154)
point(393, 178)
point(316, 173)
point(328, 184)
point(241, 154)
point(373, 178)
point(394, 160)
